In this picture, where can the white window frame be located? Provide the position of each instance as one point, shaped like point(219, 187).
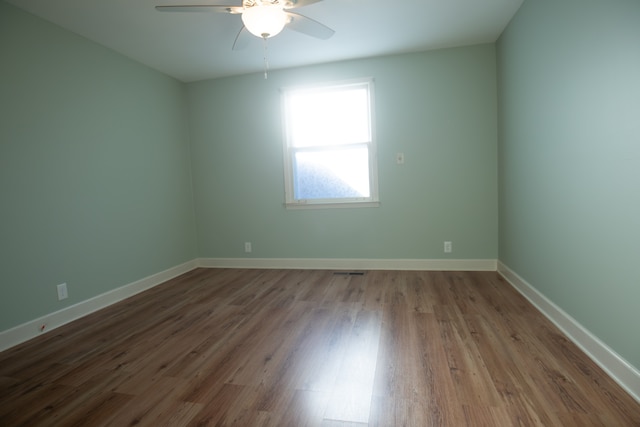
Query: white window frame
point(289, 150)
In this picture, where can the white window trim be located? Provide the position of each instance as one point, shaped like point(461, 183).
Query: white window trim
point(373, 200)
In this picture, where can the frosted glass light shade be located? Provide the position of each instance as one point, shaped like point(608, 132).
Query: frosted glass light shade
point(264, 21)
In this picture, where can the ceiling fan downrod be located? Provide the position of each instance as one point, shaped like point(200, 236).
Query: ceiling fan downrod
point(266, 60)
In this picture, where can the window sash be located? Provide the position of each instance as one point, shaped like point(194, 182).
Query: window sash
point(354, 184)
point(308, 116)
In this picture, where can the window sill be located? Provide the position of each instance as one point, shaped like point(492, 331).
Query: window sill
point(337, 205)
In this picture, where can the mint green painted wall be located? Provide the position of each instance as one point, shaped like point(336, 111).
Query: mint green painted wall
point(569, 112)
point(95, 183)
point(439, 108)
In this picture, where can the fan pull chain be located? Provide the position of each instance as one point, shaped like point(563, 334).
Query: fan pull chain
point(266, 60)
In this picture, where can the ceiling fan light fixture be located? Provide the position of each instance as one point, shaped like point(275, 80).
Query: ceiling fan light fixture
point(264, 21)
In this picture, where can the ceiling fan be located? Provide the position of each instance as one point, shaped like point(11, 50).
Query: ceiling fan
point(263, 18)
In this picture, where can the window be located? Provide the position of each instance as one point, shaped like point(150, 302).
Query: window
point(330, 154)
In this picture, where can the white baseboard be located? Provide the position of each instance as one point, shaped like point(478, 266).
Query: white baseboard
point(351, 264)
point(31, 329)
point(624, 373)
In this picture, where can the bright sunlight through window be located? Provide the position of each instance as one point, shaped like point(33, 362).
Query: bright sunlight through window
point(330, 146)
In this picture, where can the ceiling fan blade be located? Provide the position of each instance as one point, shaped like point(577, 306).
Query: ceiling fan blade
point(201, 8)
point(292, 4)
point(242, 39)
point(308, 26)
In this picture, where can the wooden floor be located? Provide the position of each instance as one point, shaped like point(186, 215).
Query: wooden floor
point(311, 348)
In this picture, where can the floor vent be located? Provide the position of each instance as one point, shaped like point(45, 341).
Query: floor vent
point(348, 273)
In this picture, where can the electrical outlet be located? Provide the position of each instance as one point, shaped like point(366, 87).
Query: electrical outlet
point(247, 247)
point(62, 291)
point(400, 158)
point(448, 247)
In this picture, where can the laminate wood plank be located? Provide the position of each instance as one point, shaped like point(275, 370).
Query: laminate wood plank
point(315, 286)
point(283, 292)
point(324, 347)
point(395, 411)
point(222, 364)
point(87, 398)
point(274, 350)
point(554, 379)
point(252, 286)
point(441, 389)
point(337, 289)
point(374, 294)
point(168, 412)
point(466, 366)
point(573, 419)
point(234, 347)
point(354, 289)
point(402, 370)
point(588, 377)
point(159, 397)
point(351, 396)
point(154, 363)
point(219, 405)
point(305, 408)
point(279, 389)
point(420, 292)
point(208, 341)
point(31, 405)
point(242, 409)
point(333, 423)
point(93, 411)
point(523, 400)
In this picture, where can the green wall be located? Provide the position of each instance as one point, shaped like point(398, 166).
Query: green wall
point(95, 180)
point(569, 142)
point(439, 108)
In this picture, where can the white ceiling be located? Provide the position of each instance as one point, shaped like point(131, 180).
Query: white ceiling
point(197, 46)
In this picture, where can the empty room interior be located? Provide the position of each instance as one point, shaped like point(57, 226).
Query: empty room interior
point(164, 259)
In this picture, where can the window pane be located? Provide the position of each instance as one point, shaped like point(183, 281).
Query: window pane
point(327, 174)
point(329, 117)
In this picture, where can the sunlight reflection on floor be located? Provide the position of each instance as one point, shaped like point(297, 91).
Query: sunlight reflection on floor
point(350, 398)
